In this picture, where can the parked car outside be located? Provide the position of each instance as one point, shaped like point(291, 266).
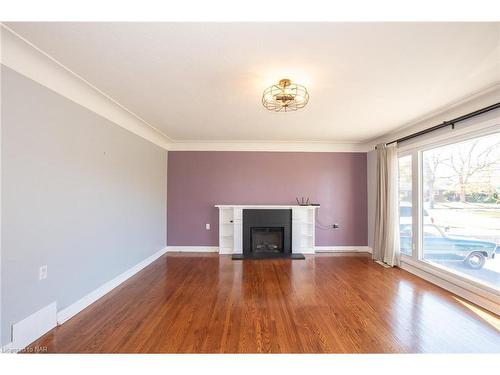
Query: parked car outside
point(440, 246)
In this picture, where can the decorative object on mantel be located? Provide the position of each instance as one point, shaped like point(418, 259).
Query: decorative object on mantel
point(303, 202)
point(285, 96)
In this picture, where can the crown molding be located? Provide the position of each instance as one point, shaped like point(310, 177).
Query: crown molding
point(278, 146)
point(25, 58)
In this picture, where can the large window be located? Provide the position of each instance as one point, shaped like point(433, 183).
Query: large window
point(405, 205)
point(460, 218)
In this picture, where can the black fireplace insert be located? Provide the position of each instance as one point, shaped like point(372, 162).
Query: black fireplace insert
point(267, 233)
point(267, 239)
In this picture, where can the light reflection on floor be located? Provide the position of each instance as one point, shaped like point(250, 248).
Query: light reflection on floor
point(420, 311)
point(486, 316)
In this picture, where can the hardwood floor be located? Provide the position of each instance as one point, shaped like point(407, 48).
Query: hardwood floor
point(205, 303)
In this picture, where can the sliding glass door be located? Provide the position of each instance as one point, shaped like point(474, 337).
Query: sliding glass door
point(460, 208)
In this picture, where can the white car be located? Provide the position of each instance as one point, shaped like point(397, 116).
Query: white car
point(405, 212)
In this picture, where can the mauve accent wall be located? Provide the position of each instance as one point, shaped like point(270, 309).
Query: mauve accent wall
point(198, 180)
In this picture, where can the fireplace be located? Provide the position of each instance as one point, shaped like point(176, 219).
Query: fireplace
point(267, 232)
point(278, 231)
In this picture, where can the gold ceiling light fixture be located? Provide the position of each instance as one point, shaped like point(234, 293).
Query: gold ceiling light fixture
point(285, 96)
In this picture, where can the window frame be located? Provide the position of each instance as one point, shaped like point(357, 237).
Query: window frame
point(413, 234)
point(416, 150)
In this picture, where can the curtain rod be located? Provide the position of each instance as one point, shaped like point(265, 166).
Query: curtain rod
point(447, 123)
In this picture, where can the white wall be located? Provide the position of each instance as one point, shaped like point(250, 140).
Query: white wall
point(80, 194)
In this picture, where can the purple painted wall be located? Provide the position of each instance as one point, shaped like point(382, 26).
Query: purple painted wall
point(198, 180)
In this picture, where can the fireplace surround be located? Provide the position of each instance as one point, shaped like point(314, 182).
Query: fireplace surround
point(267, 231)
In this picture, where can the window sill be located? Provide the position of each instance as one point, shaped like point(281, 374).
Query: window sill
point(480, 294)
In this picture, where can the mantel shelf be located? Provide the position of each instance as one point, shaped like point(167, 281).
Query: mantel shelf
point(262, 206)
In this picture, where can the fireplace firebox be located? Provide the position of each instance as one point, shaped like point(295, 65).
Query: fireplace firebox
point(267, 232)
point(267, 239)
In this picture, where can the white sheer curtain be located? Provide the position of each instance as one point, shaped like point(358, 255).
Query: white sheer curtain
point(386, 241)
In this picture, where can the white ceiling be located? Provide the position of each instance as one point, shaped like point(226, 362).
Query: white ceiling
point(204, 81)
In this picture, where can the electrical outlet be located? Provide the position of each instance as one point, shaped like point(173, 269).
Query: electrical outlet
point(42, 274)
point(207, 226)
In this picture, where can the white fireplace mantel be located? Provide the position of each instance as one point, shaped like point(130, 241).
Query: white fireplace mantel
point(231, 227)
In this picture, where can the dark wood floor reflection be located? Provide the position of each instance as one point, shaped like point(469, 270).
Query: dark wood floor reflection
point(326, 304)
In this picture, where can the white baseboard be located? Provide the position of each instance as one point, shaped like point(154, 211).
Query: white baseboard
point(90, 298)
point(343, 249)
point(192, 249)
point(477, 296)
point(317, 249)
